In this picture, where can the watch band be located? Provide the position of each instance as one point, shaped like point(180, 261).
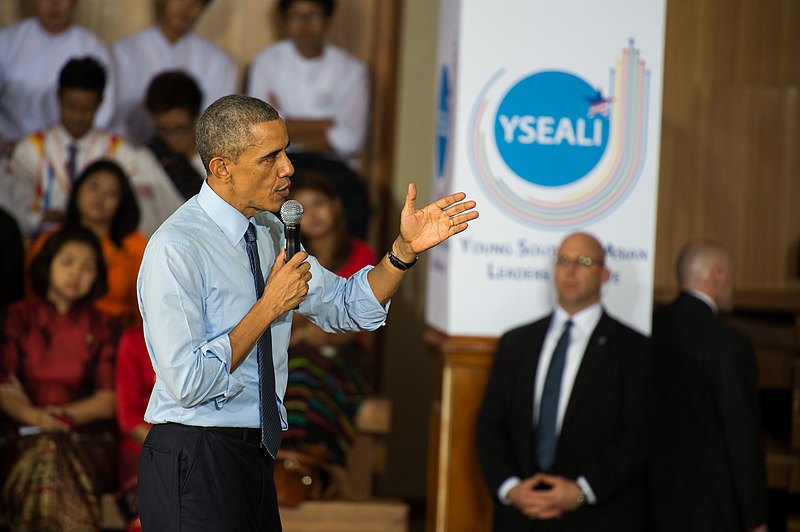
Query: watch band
point(399, 264)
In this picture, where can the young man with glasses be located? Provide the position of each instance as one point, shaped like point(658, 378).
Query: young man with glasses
point(562, 432)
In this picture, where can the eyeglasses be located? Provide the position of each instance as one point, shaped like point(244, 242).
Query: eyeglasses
point(582, 260)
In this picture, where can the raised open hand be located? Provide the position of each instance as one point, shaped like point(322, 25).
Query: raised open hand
point(424, 228)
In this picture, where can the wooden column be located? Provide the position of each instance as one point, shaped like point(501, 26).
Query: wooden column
point(457, 498)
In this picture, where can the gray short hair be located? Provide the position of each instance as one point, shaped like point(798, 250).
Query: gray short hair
point(696, 260)
point(225, 129)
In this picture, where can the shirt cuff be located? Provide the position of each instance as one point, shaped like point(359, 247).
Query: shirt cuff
point(220, 349)
point(505, 487)
point(587, 489)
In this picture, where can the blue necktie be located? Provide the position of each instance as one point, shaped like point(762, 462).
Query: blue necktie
point(271, 432)
point(72, 162)
point(546, 437)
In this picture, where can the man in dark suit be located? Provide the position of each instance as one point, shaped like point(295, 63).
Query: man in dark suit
point(562, 433)
point(709, 472)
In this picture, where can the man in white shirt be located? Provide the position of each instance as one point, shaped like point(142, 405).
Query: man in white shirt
point(33, 53)
point(321, 90)
point(46, 163)
point(168, 45)
point(562, 435)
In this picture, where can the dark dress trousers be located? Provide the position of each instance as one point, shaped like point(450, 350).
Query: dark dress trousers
point(604, 434)
point(709, 472)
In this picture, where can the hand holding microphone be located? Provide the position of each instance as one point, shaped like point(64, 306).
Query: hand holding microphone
point(292, 214)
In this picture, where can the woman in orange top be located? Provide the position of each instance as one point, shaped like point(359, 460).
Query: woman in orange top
point(103, 201)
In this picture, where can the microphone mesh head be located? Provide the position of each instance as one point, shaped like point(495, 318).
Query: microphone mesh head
point(291, 212)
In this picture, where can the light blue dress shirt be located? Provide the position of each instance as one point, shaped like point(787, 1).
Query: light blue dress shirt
point(194, 287)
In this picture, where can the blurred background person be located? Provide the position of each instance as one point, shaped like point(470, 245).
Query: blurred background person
point(320, 90)
point(46, 163)
point(12, 260)
point(134, 382)
point(103, 201)
point(34, 52)
point(562, 434)
point(58, 391)
point(173, 101)
point(710, 471)
point(169, 44)
point(327, 372)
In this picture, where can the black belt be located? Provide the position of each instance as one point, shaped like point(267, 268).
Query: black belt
point(241, 434)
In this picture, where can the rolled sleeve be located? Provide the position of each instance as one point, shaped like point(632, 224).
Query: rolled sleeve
point(192, 369)
point(336, 304)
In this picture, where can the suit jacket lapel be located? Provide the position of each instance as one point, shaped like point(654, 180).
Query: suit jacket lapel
point(529, 360)
point(593, 355)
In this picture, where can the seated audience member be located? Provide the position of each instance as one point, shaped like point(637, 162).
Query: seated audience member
point(45, 164)
point(33, 52)
point(174, 100)
point(12, 260)
point(170, 44)
point(326, 370)
point(102, 200)
point(709, 472)
point(134, 380)
point(320, 90)
point(57, 391)
point(350, 188)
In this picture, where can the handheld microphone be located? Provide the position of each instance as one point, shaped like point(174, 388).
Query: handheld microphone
point(291, 214)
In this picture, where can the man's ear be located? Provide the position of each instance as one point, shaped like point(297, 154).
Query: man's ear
point(219, 168)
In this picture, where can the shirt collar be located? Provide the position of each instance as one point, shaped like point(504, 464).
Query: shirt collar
point(584, 320)
point(232, 222)
point(705, 298)
point(66, 139)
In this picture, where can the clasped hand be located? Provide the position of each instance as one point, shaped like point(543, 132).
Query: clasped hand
point(536, 500)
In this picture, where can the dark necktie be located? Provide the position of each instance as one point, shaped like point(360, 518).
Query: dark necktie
point(271, 433)
point(72, 162)
point(546, 438)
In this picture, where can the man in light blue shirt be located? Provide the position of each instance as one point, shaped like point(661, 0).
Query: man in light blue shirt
point(207, 464)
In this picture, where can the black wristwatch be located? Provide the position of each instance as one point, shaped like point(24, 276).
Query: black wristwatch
point(399, 264)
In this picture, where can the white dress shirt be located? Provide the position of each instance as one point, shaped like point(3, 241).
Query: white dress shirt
point(37, 173)
point(30, 64)
point(333, 86)
point(145, 54)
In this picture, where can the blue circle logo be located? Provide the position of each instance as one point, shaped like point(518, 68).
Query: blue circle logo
point(551, 128)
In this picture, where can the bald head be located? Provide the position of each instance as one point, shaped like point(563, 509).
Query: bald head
point(707, 266)
point(580, 272)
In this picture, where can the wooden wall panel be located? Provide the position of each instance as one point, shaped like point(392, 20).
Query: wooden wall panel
point(730, 139)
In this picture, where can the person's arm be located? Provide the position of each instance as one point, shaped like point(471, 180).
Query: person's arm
point(496, 424)
point(22, 178)
point(285, 289)
point(420, 230)
point(16, 404)
point(134, 383)
point(96, 407)
point(351, 113)
point(736, 393)
point(192, 367)
point(310, 134)
point(101, 404)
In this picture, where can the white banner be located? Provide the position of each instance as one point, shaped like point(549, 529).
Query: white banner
point(549, 116)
